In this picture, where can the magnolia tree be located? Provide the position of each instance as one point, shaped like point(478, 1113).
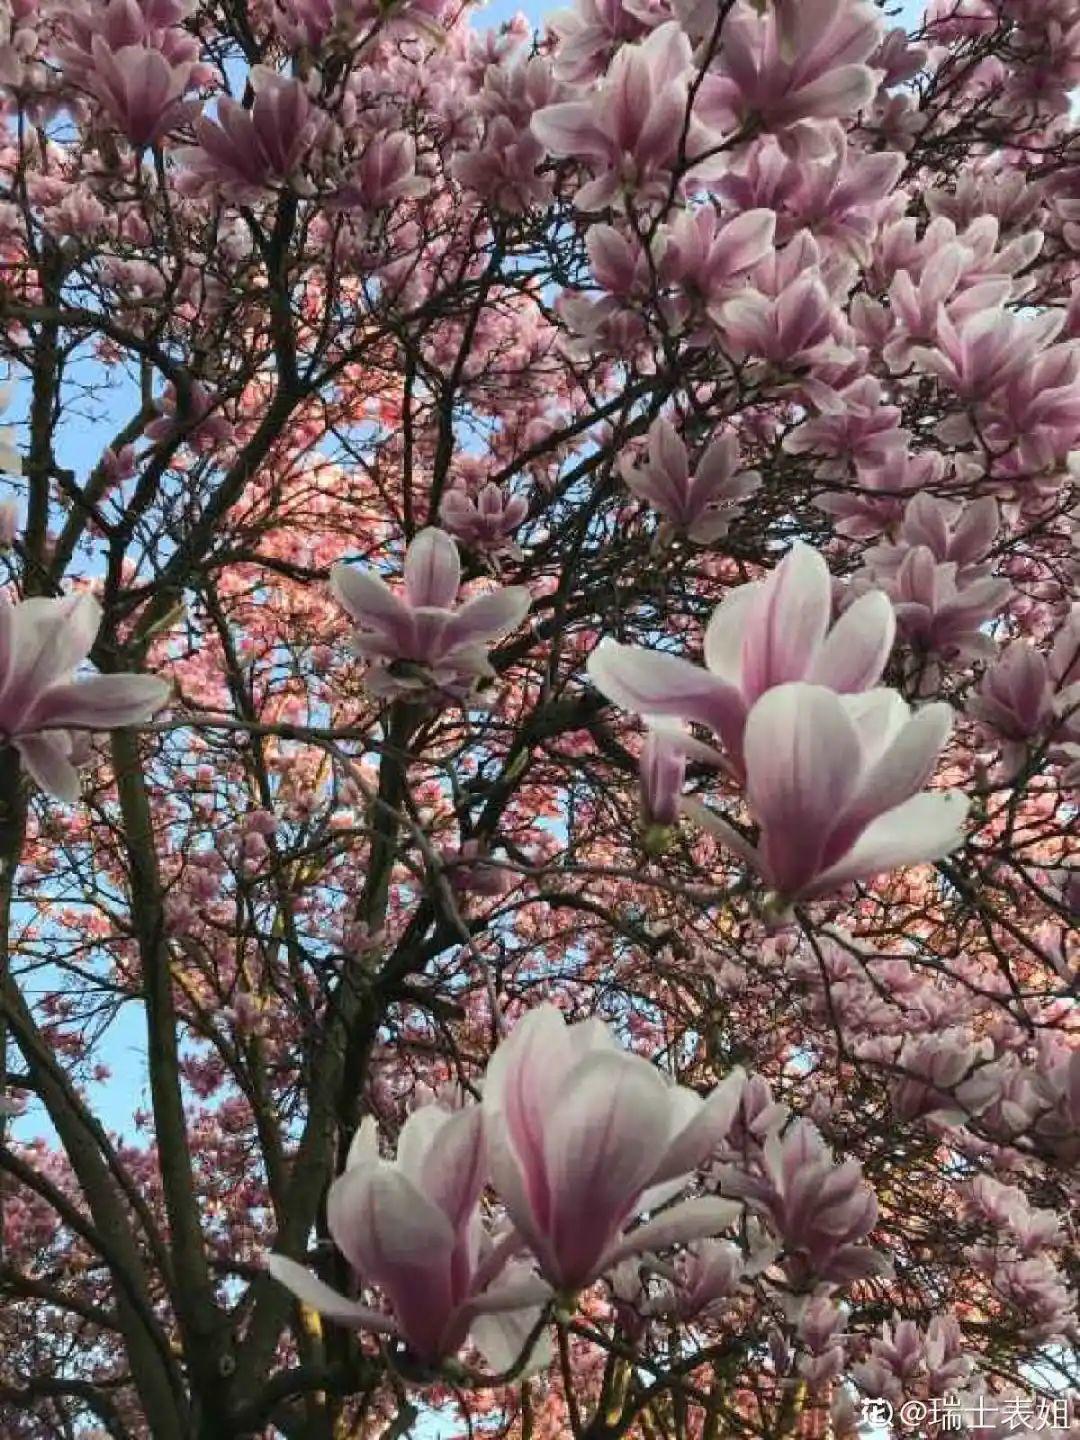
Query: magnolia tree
point(539, 692)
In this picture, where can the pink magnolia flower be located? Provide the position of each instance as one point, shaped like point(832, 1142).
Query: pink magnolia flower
point(661, 776)
point(241, 152)
point(584, 1136)
point(960, 532)
point(700, 506)
point(840, 197)
point(792, 61)
point(41, 644)
point(385, 173)
point(986, 350)
point(305, 22)
point(937, 614)
point(140, 89)
point(763, 634)
point(1015, 700)
point(875, 501)
point(821, 1211)
point(628, 132)
point(793, 329)
point(411, 1227)
point(705, 259)
point(503, 169)
point(834, 784)
point(9, 523)
point(486, 523)
point(418, 639)
point(855, 427)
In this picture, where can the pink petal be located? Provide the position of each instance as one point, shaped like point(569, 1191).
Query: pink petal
point(857, 648)
point(802, 756)
point(432, 570)
point(311, 1291)
point(788, 623)
point(648, 682)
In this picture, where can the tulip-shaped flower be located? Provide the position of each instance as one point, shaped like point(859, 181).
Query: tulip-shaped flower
point(418, 640)
point(411, 1228)
point(1015, 700)
point(834, 784)
point(763, 634)
point(41, 644)
point(629, 131)
point(963, 535)
point(139, 90)
point(584, 1136)
point(242, 151)
point(486, 523)
point(939, 615)
point(793, 60)
point(821, 1211)
point(700, 506)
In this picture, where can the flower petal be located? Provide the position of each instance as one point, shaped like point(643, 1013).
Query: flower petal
point(432, 570)
point(648, 682)
point(46, 760)
point(926, 827)
point(784, 631)
point(102, 702)
point(696, 1219)
point(311, 1291)
point(802, 766)
point(857, 648)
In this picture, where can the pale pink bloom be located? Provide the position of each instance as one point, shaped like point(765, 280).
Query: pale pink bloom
point(9, 523)
point(140, 90)
point(662, 772)
point(418, 638)
point(798, 60)
point(471, 872)
point(793, 329)
point(938, 615)
point(822, 1212)
point(584, 1136)
point(1038, 409)
point(411, 1228)
point(705, 259)
point(384, 174)
point(590, 32)
point(243, 151)
point(962, 532)
point(986, 350)
point(305, 22)
point(700, 506)
point(628, 132)
point(1057, 1084)
point(503, 169)
point(855, 427)
point(875, 502)
point(486, 523)
point(763, 634)
point(1006, 1208)
point(840, 197)
point(704, 1280)
point(42, 642)
point(1015, 700)
point(834, 784)
point(203, 426)
point(947, 1078)
point(821, 1327)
